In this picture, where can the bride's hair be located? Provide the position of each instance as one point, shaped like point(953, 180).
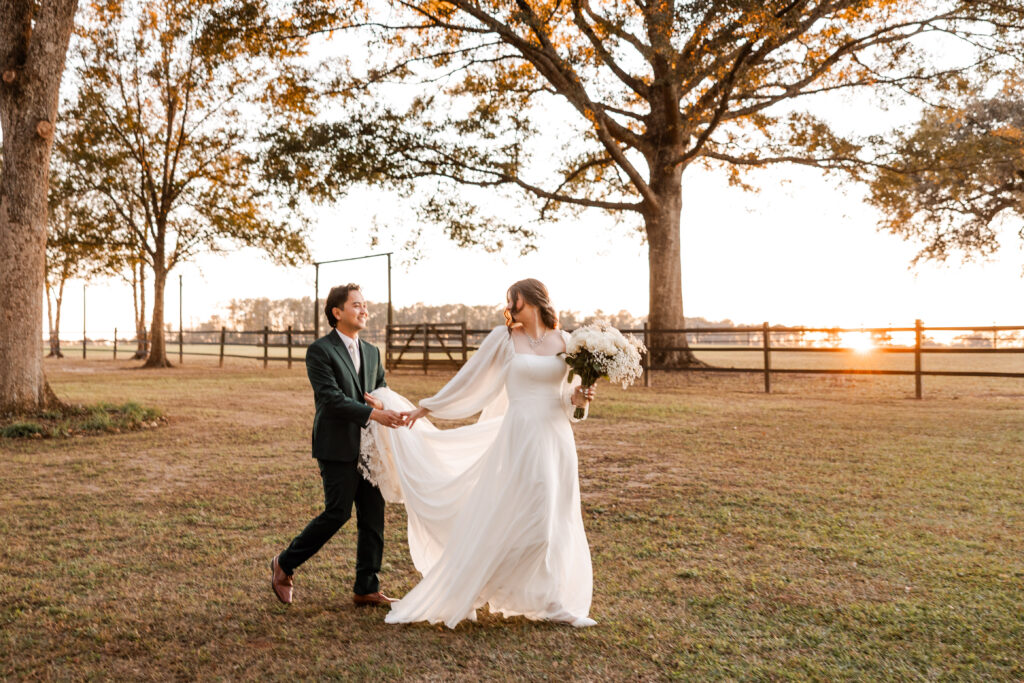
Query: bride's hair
point(533, 292)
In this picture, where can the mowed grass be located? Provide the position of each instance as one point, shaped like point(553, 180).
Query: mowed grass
point(837, 529)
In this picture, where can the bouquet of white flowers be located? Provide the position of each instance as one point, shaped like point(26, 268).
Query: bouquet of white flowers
point(596, 351)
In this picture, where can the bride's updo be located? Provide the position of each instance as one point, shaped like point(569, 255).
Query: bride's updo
point(535, 293)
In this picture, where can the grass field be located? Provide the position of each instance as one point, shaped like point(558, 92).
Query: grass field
point(834, 530)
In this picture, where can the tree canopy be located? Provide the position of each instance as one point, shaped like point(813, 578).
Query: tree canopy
point(950, 179)
point(566, 105)
point(164, 118)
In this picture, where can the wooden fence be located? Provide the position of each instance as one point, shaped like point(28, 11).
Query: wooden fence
point(426, 346)
point(767, 349)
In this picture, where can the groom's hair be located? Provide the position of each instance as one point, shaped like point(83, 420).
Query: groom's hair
point(337, 299)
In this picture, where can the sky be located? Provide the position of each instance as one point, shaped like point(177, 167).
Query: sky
point(804, 250)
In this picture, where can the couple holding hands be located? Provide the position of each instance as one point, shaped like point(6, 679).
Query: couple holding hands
point(493, 507)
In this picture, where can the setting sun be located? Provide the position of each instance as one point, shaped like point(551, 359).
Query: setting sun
point(858, 341)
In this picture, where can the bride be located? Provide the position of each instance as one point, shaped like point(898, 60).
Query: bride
point(494, 507)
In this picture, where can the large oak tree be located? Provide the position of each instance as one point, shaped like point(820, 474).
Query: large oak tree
point(572, 104)
point(170, 98)
point(33, 44)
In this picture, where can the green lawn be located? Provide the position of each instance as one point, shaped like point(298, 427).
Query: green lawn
point(834, 530)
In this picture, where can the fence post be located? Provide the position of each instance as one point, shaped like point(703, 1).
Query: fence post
point(223, 333)
point(387, 347)
point(289, 347)
point(767, 359)
point(115, 343)
point(465, 344)
point(84, 336)
point(266, 345)
point(181, 345)
point(426, 348)
point(918, 329)
point(647, 355)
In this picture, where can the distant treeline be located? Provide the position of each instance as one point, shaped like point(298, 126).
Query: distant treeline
point(278, 314)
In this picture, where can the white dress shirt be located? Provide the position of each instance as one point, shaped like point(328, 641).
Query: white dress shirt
point(353, 351)
point(353, 348)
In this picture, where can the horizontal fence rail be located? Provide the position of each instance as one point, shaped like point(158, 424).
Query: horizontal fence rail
point(426, 346)
point(228, 344)
point(880, 340)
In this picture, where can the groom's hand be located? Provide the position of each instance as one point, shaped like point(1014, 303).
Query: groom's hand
point(373, 402)
point(388, 418)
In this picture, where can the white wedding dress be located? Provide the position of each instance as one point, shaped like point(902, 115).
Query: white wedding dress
point(493, 507)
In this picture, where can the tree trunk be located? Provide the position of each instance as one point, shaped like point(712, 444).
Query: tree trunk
point(32, 49)
point(139, 299)
point(666, 278)
point(54, 315)
point(54, 346)
point(157, 342)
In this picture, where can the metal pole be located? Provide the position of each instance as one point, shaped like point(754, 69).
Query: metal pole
point(115, 343)
point(391, 319)
point(767, 360)
point(316, 303)
point(83, 320)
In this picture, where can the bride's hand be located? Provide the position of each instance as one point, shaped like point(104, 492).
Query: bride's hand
point(581, 397)
point(412, 415)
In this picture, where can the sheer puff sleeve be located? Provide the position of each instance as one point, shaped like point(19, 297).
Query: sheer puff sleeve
point(480, 383)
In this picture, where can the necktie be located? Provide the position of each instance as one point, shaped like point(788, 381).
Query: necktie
point(354, 352)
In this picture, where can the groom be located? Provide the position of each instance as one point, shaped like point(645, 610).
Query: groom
point(342, 370)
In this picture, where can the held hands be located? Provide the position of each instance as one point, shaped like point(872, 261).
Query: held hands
point(411, 416)
point(387, 418)
point(581, 397)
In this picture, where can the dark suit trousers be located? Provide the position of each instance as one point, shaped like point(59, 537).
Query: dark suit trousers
point(343, 485)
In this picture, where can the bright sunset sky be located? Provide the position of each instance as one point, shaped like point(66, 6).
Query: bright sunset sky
point(804, 250)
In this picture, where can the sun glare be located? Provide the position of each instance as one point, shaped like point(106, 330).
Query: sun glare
point(858, 341)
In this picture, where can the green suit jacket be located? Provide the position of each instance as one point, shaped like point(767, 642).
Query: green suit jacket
point(341, 410)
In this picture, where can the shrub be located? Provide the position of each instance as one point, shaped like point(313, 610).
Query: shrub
point(20, 430)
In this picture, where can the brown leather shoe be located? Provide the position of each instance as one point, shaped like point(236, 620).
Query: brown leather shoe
point(377, 599)
point(280, 582)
